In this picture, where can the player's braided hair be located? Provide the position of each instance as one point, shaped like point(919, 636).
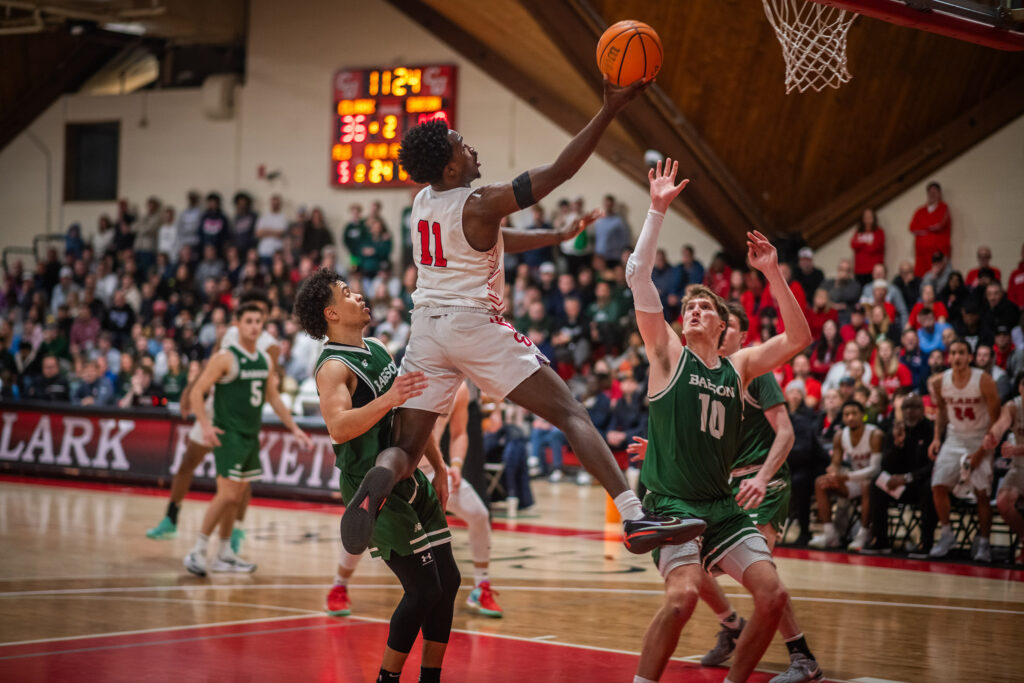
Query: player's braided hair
point(425, 151)
point(313, 297)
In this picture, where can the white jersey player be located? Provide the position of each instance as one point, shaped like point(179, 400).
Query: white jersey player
point(968, 402)
point(457, 326)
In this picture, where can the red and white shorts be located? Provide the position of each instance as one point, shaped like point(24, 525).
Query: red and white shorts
point(449, 344)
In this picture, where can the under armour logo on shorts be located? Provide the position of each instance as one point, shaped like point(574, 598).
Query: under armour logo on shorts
point(426, 558)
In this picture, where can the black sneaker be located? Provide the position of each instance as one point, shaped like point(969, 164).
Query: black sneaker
point(647, 533)
point(361, 512)
point(876, 548)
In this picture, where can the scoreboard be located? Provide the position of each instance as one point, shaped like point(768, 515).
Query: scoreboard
point(372, 110)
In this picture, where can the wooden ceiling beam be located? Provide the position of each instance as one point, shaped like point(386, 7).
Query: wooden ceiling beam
point(626, 157)
point(722, 206)
point(916, 164)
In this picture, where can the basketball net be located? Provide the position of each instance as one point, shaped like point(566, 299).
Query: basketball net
point(813, 39)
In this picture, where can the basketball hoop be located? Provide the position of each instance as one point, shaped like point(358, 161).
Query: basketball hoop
point(813, 39)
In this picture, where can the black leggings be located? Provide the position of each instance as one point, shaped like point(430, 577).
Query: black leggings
point(431, 581)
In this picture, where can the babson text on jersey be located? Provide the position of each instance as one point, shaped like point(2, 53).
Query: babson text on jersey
point(704, 383)
point(384, 377)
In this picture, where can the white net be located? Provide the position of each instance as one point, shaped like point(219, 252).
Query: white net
point(813, 39)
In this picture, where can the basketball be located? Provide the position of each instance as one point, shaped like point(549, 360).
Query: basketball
point(628, 52)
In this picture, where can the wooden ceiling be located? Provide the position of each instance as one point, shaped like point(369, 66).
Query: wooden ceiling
point(806, 163)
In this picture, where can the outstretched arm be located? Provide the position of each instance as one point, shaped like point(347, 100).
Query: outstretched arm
point(754, 362)
point(752, 491)
point(484, 208)
point(335, 383)
point(518, 241)
point(662, 345)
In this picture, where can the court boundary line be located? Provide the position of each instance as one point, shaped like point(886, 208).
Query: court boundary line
point(1011, 573)
point(534, 589)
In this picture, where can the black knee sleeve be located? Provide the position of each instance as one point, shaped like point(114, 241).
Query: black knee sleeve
point(438, 623)
point(424, 589)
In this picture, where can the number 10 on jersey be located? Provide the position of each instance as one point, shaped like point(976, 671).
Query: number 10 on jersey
point(438, 258)
point(712, 416)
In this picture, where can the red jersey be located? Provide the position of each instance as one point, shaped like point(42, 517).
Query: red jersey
point(868, 250)
point(939, 308)
point(1015, 286)
point(931, 233)
point(891, 383)
point(972, 275)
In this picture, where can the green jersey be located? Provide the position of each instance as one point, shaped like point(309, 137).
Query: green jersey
point(693, 431)
point(375, 371)
point(239, 395)
point(757, 434)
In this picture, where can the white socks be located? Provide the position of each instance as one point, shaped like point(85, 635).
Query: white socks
point(340, 580)
point(201, 543)
point(641, 679)
point(629, 505)
point(830, 529)
point(479, 576)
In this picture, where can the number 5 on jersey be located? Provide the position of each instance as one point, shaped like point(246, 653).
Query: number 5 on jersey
point(425, 258)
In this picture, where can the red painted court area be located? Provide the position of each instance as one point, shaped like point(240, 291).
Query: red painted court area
point(315, 649)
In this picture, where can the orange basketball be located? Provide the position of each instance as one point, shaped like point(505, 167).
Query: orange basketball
point(629, 51)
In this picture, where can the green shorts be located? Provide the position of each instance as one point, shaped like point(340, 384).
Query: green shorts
point(238, 456)
point(774, 509)
point(411, 521)
point(727, 524)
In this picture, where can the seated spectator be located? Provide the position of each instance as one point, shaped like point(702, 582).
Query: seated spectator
point(956, 295)
point(670, 281)
point(879, 325)
point(142, 390)
point(50, 385)
point(534, 257)
point(868, 244)
point(928, 300)
point(812, 387)
point(628, 415)
point(604, 315)
point(211, 267)
point(572, 334)
point(893, 295)
point(929, 334)
point(843, 290)
point(828, 349)
point(906, 477)
point(807, 274)
point(984, 358)
point(984, 261)
point(908, 283)
point(1002, 346)
point(938, 275)
point(397, 328)
point(851, 352)
point(167, 235)
point(821, 310)
point(879, 297)
point(806, 458)
point(1015, 285)
point(858, 322)
point(887, 370)
point(856, 460)
point(999, 311)
point(509, 438)
point(969, 327)
point(84, 331)
point(94, 389)
point(316, 235)
point(544, 438)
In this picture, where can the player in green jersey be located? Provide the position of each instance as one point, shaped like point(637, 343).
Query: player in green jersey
point(359, 390)
point(244, 378)
point(696, 406)
point(760, 483)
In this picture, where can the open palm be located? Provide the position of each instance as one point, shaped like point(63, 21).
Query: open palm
point(663, 184)
point(760, 252)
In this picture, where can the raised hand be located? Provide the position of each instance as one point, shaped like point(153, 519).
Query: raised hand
point(663, 184)
point(406, 387)
point(616, 97)
point(760, 252)
point(576, 227)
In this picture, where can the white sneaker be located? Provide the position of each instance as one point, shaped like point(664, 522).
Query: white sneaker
point(583, 478)
point(945, 543)
point(823, 540)
point(860, 540)
point(555, 476)
point(195, 562)
point(982, 550)
point(232, 564)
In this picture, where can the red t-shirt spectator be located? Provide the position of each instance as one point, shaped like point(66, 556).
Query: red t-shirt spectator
point(931, 234)
point(718, 282)
point(939, 308)
point(868, 250)
point(1003, 355)
point(1015, 286)
point(972, 275)
point(891, 383)
point(816, 319)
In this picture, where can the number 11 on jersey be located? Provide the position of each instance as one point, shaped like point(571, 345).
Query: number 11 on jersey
point(425, 258)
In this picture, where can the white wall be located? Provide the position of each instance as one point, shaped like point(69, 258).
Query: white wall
point(167, 148)
point(283, 121)
point(984, 188)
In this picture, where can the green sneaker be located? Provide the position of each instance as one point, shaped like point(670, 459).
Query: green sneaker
point(164, 531)
point(237, 536)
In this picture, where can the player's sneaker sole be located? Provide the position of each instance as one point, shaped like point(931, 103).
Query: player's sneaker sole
point(361, 512)
point(233, 566)
point(645, 534)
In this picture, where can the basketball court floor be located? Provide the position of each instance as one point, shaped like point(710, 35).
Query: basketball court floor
point(84, 596)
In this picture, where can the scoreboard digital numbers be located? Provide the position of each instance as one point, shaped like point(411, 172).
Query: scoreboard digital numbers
point(372, 110)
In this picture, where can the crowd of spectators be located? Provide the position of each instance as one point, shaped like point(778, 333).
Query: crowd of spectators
point(126, 313)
